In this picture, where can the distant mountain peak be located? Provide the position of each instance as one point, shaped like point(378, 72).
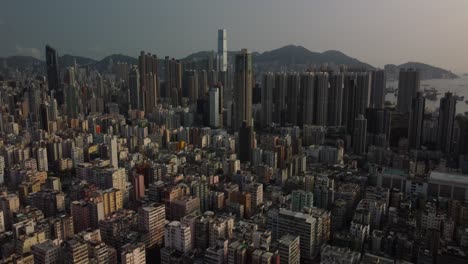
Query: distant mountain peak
point(334, 52)
point(291, 47)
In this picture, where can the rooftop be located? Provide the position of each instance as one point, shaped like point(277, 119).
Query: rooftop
point(287, 239)
point(448, 177)
point(46, 245)
point(393, 171)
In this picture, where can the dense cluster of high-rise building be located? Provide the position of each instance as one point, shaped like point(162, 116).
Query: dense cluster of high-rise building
point(209, 160)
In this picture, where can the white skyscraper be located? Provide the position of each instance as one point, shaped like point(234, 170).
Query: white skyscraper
point(113, 152)
point(42, 162)
point(222, 50)
point(178, 236)
point(214, 107)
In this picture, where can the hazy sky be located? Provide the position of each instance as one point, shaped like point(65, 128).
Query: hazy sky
point(374, 31)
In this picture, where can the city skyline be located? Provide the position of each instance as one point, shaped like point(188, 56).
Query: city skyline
point(373, 38)
point(285, 157)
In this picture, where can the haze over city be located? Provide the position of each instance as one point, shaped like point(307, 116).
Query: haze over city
point(377, 32)
point(233, 132)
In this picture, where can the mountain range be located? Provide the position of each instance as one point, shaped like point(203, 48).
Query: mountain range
point(290, 57)
point(21, 61)
point(291, 54)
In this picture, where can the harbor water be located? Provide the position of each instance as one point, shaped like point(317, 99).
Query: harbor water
point(458, 87)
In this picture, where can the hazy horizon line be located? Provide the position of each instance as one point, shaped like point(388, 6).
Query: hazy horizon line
point(42, 55)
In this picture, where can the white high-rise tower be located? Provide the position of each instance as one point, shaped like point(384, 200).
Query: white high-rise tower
point(113, 154)
point(222, 50)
